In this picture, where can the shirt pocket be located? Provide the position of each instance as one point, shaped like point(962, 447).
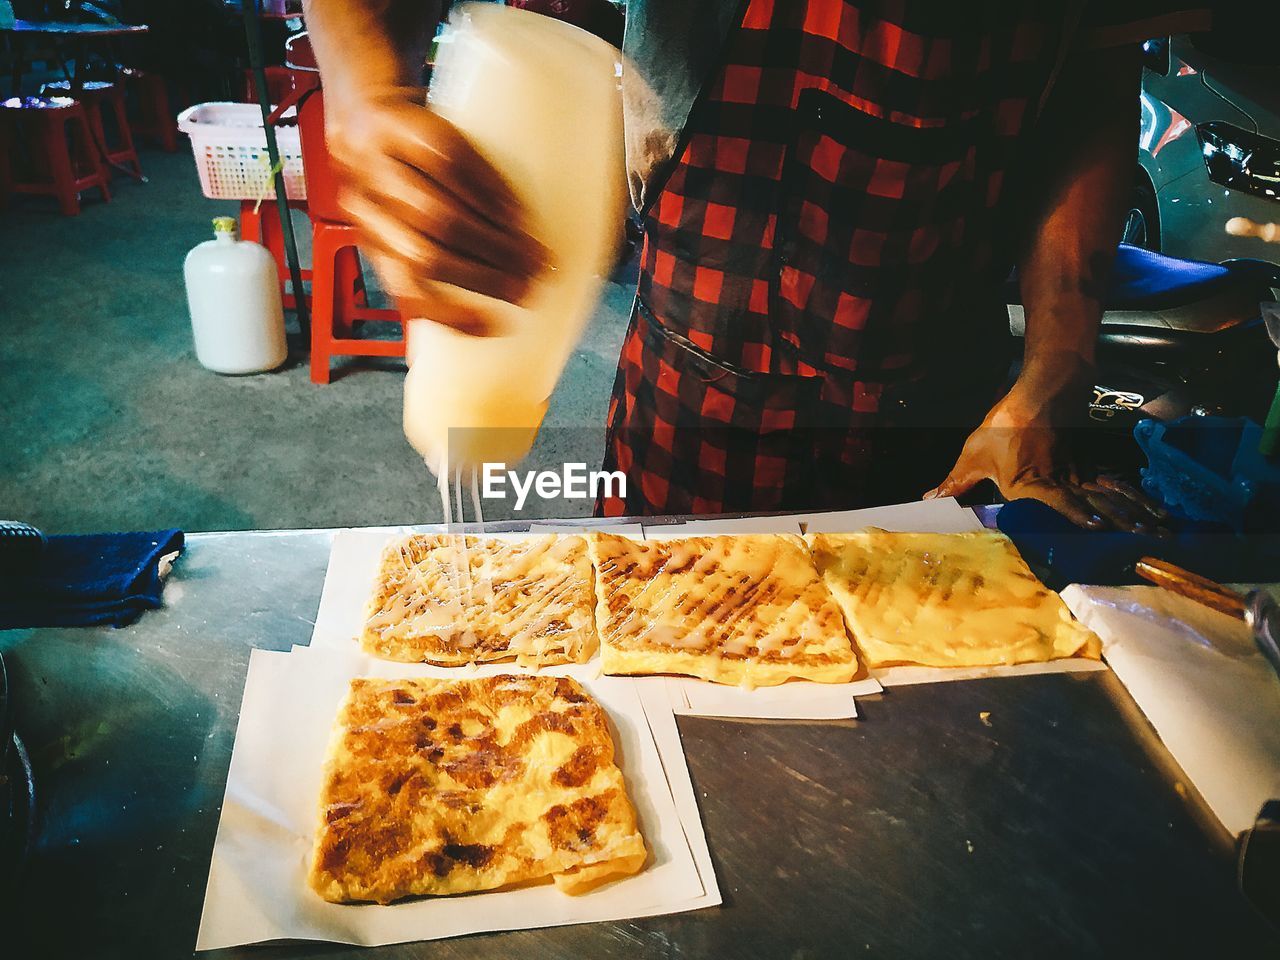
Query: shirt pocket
point(711, 392)
point(726, 437)
point(870, 234)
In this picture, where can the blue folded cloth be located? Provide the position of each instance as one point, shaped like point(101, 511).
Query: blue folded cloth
point(1062, 553)
point(98, 579)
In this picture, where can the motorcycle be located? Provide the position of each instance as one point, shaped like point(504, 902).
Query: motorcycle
point(1178, 337)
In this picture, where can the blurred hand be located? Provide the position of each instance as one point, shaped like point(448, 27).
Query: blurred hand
point(1019, 448)
point(429, 209)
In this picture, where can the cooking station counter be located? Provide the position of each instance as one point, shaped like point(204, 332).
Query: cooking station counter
point(1009, 817)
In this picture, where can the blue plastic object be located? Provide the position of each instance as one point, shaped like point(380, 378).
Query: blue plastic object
point(1209, 469)
point(1061, 553)
point(1144, 280)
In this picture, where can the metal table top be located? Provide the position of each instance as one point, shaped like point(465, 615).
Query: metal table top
point(1055, 827)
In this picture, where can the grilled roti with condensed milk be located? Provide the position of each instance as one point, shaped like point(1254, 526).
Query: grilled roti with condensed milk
point(452, 600)
point(747, 609)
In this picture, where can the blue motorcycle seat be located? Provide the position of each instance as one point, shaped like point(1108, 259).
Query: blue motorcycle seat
point(1145, 280)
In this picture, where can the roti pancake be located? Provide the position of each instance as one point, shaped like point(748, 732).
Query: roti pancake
point(747, 609)
point(437, 787)
point(945, 600)
point(451, 600)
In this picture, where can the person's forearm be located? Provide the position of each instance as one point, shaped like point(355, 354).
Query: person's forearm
point(367, 46)
point(1083, 159)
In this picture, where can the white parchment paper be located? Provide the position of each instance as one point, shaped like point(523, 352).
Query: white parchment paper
point(907, 675)
point(715, 528)
point(257, 887)
point(793, 700)
point(944, 515)
point(1202, 682)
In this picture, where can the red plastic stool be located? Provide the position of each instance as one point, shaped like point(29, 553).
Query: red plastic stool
point(337, 283)
point(337, 301)
point(97, 96)
point(56, 130)
point(263, 226)
point(154, 115)
point(278, 85)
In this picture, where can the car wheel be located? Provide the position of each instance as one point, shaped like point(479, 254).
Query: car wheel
point(1142, 222)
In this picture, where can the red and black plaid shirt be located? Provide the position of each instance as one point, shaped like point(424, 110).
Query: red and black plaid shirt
point(825, 258)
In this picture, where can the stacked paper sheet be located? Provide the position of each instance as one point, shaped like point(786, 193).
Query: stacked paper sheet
point(257, 879)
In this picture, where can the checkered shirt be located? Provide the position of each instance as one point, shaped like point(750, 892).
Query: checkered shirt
point(825, 258)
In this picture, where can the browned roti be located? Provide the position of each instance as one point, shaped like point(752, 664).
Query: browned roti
point(747, 609)
point(448, 600)
point(436, 787)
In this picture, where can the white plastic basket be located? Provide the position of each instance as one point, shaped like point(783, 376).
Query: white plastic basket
point(231, 152)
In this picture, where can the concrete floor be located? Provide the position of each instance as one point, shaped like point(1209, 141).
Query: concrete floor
point(107, 422)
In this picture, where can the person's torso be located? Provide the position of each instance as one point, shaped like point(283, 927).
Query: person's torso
point(836, 207)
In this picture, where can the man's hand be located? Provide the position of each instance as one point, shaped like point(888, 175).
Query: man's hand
point(1082, 151)
point(1020, 449)
point(430, 209)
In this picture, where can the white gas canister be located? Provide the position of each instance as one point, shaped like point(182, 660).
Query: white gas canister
point(540, 100)
point(233, 293)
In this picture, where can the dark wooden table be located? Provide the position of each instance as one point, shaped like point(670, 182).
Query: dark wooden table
point(59, 28)
point(1059, 827)
point(77, 36)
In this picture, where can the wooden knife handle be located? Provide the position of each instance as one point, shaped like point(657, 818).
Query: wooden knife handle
point(1192, 586)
